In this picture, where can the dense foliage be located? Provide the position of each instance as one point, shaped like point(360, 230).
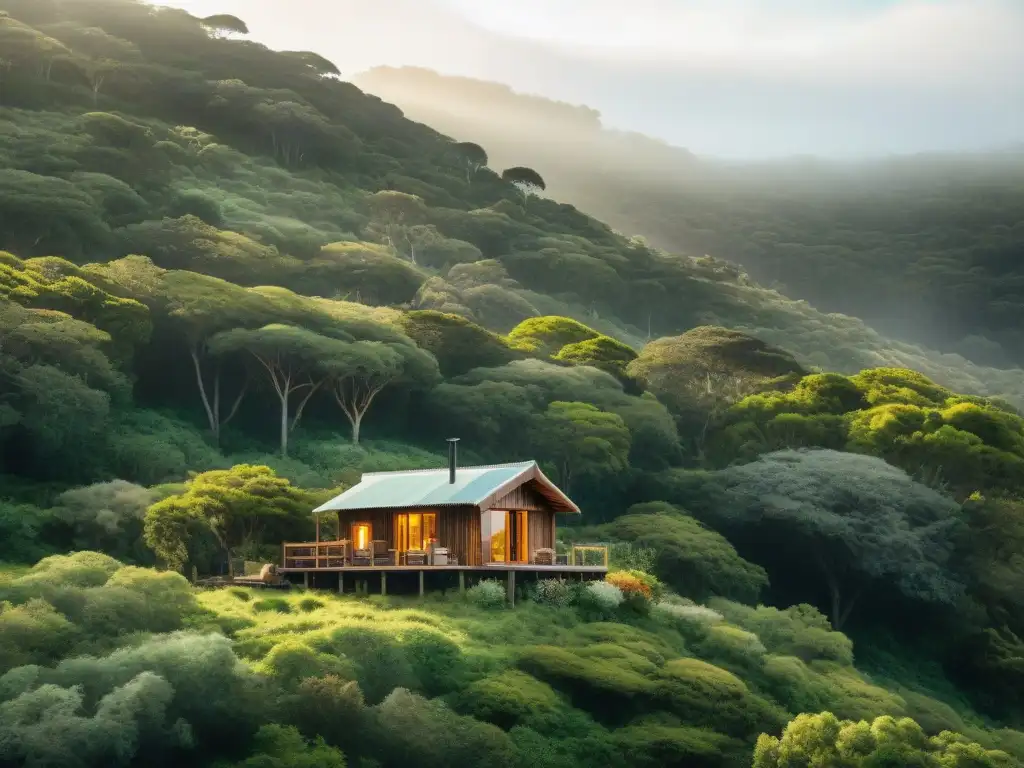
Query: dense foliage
point(232, 282)
point(926, 248)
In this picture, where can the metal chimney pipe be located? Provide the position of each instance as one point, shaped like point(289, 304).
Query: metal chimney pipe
point(452, 459)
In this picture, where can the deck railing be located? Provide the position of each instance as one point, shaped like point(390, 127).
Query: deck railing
point(315, 554)
point(580, 554)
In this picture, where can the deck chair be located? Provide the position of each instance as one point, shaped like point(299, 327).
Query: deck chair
point(544, 556)
point(381, 554)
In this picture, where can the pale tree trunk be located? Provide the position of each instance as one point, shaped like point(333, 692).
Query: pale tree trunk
point(213, 408)
point(355, 397)
point(284, 386)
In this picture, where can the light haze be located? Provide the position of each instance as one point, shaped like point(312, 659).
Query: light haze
point(731, 78)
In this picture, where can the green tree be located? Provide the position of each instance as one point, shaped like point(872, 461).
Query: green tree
point(858, 521)
point(393, 217)
point(472, 157)
point(701, 373)
point(360, 370)
point(526, 180)
point(824, 741)
point(695, 560)
point(582, 440)
point(225, 24)
point(238, 506)
point(296, 361)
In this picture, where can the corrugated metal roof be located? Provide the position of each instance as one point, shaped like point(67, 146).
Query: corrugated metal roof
point(428, 487)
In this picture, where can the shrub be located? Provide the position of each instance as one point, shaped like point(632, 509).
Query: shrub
point(800, 630)
point(601, 599)
point(412, 730)
point(692, 620)
point(487, 594)
point(553, 592)
point(292, 661)
point(330, 706)
point(507, 699)
point(632, 584)
point(276, 604)
point(703, 694)
point(732, 645)
point(654, 745)
point(310, 604)
point(885, 741)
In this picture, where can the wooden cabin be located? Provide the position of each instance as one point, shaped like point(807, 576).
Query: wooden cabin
point(456, 522)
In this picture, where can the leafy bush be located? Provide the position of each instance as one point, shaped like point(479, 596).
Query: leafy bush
point(310, 604)
point(800, 630)
point(691, 619)
point(489, 593)
point(885, 741)
point(601, 599)
point(507, 699)
point(553, 592)
point(276, 604)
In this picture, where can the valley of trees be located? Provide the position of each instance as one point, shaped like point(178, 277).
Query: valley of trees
point(231, 282)
point(923, 248)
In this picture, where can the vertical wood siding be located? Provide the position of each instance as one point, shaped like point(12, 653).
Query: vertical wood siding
point(522, 497)
point(542, 530)
point(458, 528)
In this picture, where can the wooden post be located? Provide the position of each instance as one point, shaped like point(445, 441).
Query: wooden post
point(421, 583)
point(305, 579)
point(512, 588)
point(341, 582)
point(462, 581)
point(383, 582)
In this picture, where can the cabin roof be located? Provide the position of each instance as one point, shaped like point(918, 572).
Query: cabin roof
point(474, 486)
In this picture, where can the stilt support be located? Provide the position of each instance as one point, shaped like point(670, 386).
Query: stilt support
point(305, 579)
point(512, 588)
point(421, 583)
point(462, 581)
point(383, 583)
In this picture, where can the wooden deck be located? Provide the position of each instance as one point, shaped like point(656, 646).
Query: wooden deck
point(419, 579)
point(490, 567)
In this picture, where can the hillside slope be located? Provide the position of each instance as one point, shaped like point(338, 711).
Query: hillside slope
point(925, 249)
point(231, 283)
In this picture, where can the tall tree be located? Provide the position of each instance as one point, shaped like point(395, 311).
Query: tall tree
point(472, 157)
point(395, 217)
point(224, 24)
point(364, 368)
point(526, 180)
point(704, 371)
point(296, 361)
point(581, 439)
point(857, 521)
point(238, 506)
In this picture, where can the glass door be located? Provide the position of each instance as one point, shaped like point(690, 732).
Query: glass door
point(416, 531)
point(505, 536)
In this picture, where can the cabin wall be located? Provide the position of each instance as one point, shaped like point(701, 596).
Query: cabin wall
point(541, 527)
point(522, 497)
point(458, 528)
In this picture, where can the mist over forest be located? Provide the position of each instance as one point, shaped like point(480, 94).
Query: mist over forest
point(893, 241)
point(786, 397)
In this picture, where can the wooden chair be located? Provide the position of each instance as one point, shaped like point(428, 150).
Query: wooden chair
point(415, 557)
point(362, 557)
point(381, 554)
point(544, 556)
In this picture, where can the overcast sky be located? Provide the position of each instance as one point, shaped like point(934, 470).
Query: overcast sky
point(732, 78)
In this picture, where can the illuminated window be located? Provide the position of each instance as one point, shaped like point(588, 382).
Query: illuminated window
point(416, 531)
point(361, 535)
